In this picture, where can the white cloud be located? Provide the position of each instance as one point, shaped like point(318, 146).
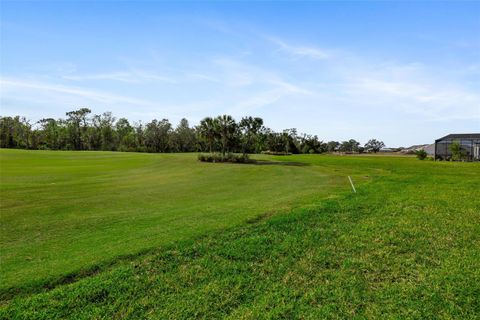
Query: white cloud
point(412, 90)
point(35, 98)
point(302, 51)
point(236, 73)
point(22, 88)
point(201, 77)
point(132, 76)
point(247, 88)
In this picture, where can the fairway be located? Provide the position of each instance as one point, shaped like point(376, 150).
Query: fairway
point(172, 237)
point(242, 160)
point(66, 212)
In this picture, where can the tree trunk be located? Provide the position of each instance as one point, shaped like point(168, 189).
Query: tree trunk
point(223, 148)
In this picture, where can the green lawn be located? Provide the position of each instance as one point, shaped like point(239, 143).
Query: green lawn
point(65, 212)
point(406, 245)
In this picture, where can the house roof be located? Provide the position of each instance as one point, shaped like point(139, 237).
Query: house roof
point(461, 136)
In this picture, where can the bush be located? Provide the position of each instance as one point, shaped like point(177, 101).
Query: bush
point(238, 158)
point(421, 154)
point(458, 154)
point(217, 157)
point(126, 149)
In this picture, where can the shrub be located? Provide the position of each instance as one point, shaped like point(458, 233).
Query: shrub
point(230, 157)
point(458, 153)
point(421, 154)
point(211, 157)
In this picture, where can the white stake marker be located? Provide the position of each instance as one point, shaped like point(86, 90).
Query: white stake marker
point(353, 187)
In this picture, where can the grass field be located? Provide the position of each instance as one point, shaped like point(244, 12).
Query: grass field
point(170, 237)
point(63, 212)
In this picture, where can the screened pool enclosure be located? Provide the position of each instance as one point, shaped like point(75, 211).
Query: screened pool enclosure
point(469, 143)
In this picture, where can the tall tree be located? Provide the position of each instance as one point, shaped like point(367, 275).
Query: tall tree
point(139, 137)
point(107, 131)
point(374, 145)
point(290, 140)
point(77, 121)
point(184, 139)
point(349, 146)
point(94, 133)
point(125, 135)
point(157, 136)
point(6, 132)
point(249, 128)
point(226, 128)
point(208, 131)
point(49, 133)
point(15, 132)
point(311, 144)
point(332, 146)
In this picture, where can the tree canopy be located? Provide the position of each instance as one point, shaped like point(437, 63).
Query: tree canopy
point(82, 130)
point(373, 145)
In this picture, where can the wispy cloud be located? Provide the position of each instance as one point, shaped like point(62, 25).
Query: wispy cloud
point(300, 51)
point(133, 76)
point(42, 98)
point(13, 87)
point(237, 73)
point(253, 88)
point(252, 103)
point(201, 77)
point(412, 90)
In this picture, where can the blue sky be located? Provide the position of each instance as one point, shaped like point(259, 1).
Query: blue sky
point(404, 72)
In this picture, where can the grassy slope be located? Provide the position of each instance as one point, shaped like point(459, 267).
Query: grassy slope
point(405, 246)
point(64, 212)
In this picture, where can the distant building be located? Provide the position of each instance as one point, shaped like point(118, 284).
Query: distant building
point(430, 149)
point(470, 143)
point(415, 148)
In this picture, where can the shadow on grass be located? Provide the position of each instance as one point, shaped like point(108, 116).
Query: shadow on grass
point(278, 163)
point(263, 163)
point(41, 286)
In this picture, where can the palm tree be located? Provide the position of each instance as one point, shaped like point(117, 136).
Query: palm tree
point(226, 128)
point(208, 131)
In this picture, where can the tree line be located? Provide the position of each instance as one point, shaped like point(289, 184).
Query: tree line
point(81, 130)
